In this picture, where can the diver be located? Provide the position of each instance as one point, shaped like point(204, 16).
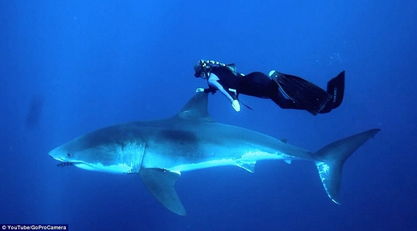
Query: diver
point(287, 91)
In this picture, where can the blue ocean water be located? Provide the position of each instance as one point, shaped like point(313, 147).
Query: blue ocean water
point(69, 67)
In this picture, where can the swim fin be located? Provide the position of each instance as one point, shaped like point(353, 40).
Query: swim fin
point(335, 88)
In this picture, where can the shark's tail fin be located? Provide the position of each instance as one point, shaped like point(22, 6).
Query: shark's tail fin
point(330, 159)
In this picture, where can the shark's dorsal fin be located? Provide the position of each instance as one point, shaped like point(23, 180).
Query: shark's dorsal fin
point(161, 183)
point(195, 108)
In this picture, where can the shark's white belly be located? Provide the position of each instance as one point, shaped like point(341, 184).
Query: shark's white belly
point(246, 159)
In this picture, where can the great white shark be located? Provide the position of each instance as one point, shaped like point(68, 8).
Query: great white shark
point(159, 151)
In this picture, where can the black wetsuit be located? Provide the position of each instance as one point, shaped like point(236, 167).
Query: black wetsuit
point(287, 91)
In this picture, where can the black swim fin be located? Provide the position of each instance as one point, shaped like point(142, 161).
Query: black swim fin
point(335, 88)
point(302, 93)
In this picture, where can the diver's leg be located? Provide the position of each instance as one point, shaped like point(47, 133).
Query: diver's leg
point(256, 84)
point(305, 94)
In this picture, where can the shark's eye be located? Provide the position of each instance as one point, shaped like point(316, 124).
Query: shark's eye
point(69, 154)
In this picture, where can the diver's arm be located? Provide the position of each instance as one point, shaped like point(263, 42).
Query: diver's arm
point(213, 81)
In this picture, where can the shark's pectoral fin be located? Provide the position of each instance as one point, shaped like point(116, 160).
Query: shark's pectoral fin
point(161, 183)
point(248, 166)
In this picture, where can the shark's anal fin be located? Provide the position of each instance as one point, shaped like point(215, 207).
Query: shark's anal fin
point(248, 166)
point(161, 183)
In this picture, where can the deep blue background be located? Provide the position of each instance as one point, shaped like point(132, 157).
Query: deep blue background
point(69, 67)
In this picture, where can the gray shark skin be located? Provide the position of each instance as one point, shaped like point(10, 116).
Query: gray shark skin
point(159, 151)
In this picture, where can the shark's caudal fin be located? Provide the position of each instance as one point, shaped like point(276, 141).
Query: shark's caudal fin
point(330, 159)
point(195, 108)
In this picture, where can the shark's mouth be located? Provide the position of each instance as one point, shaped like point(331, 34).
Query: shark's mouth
point(67, 164)
point(78, 164)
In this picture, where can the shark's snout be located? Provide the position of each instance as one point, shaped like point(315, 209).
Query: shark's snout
point(56, 154)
